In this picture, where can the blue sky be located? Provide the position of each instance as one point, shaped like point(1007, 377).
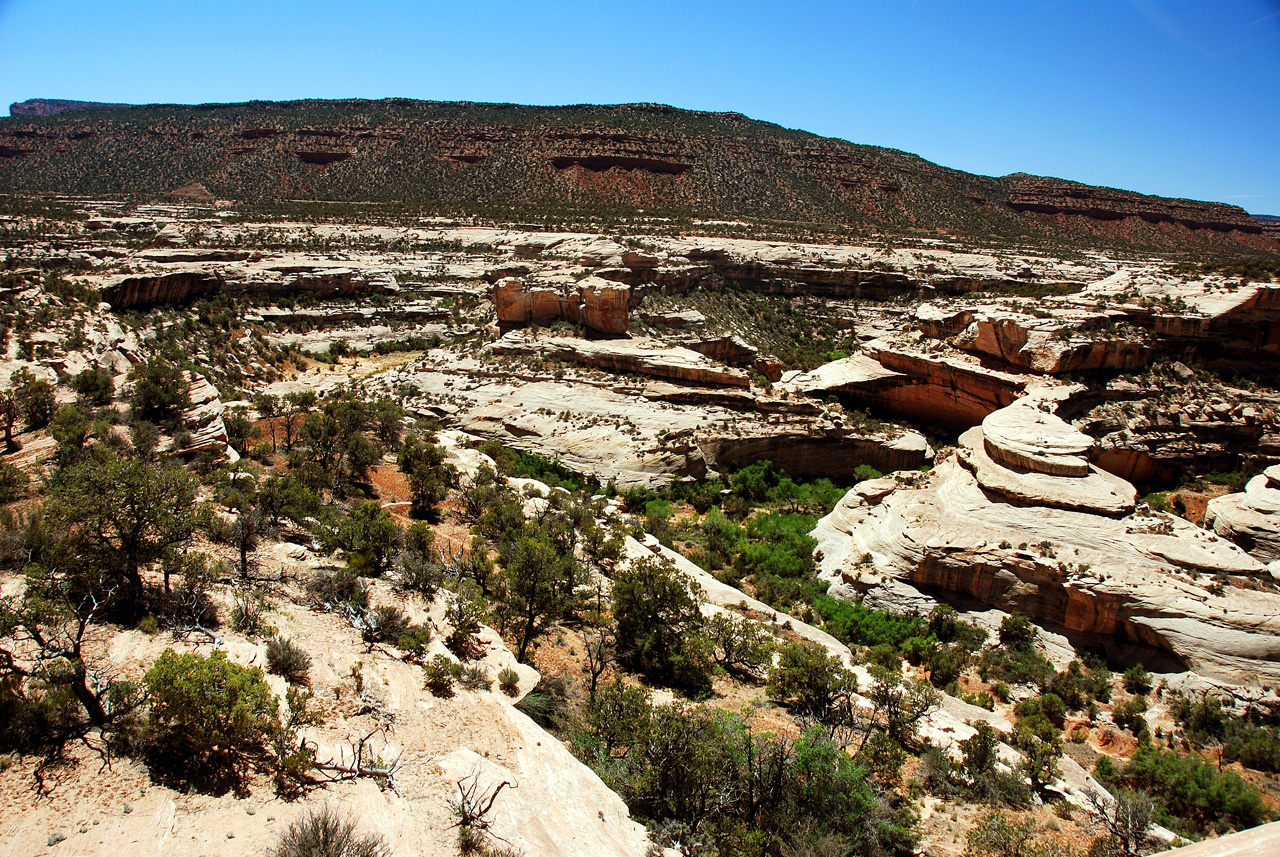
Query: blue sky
point(1159, 96)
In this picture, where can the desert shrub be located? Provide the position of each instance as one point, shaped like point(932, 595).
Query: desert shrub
point(509, 681)
point(852, 623)
point(1137, 679)
point(209, 716)
point(946, 664)
point(1252, 745)
point(382, 624)
point(337, 589)
point(778, 544)
point(1189, 788)
point(474, 677)
point(324, 833)
point(464, 614)
point(548, 703)
point(741, 647)
point(95, 386)
point(1017, 629)
point(1129, 714)
point(35, 398)
point(416, 568)
point(248, 607)
point(288, 659)
point(440, 674)
point(998, 835)
point(13, 482)
point(811, 681)
point(160, 392)
point(369, 537)
point(1077, 686)
point(1016, 664)
point(658, 625)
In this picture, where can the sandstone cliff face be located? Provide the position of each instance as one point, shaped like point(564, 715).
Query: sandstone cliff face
point(180, 284)
point(596, 303)
point(644, 357)
point(1124, 583)
point(1020, 521)
point(927, 389)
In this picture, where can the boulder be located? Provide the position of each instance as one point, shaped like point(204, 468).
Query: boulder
point(1251, 518)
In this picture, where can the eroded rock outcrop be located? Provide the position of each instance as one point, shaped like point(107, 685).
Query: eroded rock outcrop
point(1051, 346)
point(644, 357)
point(1025, 454)
point(1020, 521)
point(179, 284)
point(594, 302)
point(1251, 518)
point(931, 390)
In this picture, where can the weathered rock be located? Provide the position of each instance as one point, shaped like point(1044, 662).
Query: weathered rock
point(645, 357)
point(1099, 580)
point(836, 454)
point(930, 390)
point(1092, 491)
point(597, 303)
point(727, 349)
point(1251, 519)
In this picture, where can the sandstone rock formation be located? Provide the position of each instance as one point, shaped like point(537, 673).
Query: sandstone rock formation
point(180, 283)
point(1026, 454)
point(596, 303)
point(930, 390)
point(1251, 519)
point(1045, 346)
point(1133, 582)
point(645, 357)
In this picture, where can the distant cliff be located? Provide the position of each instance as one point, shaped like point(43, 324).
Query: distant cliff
point(609, 161)
point(50, 106)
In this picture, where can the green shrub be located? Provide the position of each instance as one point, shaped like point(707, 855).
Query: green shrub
point(208, 715)
point(854, 624)
point(811, 681)
point(1129, 714)
point(1137, 679)
point(509, 681)
point(382, 624)
point(336, 590)
point(474, 677)
point(160, 392)
point(288, 659)
point(95, 386)
point(1192, 789)
point(13, 482)
point(440, 674)
point(742, 647)
point(656, 610)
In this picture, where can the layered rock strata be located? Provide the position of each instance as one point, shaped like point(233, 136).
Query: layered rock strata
point(643, 357)
point(1064, 549)
point(594, 302)
point(930, 390)
point(1251, 519)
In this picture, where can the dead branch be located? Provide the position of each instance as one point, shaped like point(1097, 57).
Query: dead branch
point(361, 765)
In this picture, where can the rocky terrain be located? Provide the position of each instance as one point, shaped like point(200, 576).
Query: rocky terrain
point(1085, 438)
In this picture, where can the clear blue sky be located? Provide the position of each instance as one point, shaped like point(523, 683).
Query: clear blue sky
point(1171, 97)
